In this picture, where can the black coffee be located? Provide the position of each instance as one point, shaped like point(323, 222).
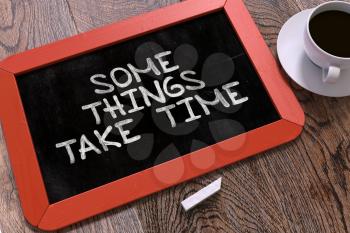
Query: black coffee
point(331, 32)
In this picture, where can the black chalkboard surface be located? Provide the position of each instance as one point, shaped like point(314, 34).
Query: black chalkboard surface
point(206, 60)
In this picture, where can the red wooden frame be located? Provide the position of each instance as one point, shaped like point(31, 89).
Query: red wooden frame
point(23, 159)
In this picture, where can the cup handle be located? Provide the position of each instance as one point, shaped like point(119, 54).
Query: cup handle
point(331, 74)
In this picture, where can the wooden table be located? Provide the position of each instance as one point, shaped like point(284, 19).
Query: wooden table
point(299, 187)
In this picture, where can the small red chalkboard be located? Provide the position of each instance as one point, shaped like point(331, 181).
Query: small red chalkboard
point(103, 118)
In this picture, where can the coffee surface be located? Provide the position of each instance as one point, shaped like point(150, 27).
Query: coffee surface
point(330, 31)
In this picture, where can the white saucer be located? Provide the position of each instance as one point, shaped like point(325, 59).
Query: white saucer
point(290, 49)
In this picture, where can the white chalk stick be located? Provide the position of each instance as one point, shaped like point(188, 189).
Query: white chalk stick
point(201, 195)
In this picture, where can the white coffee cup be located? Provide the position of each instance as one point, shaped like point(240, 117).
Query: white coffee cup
point(330, 64)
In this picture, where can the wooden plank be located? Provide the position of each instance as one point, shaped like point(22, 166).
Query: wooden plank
point(25, 25)
point(32, 24)
point(319, 194)
point(299, 187)
point(124, 219)
point(29, 24)
point(90, 14)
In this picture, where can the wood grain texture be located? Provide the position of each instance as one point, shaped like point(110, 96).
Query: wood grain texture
point(299, 187)
point(28, 24)
point(25, 25)
point(89, 14)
